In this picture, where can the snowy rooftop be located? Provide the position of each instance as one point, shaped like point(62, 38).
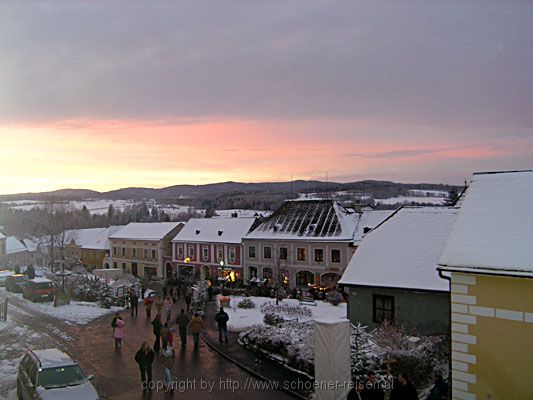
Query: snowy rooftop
point(13, 245)
point(100, 241)
point(403, 251)
point(369, 219)
point(215, 230)
point(2, 236)
point(315, 219)
point(82, 236)
point(30, 244)
point(145, 230)
point(494, 229)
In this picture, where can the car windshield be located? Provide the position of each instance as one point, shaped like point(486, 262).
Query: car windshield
point(43, 285)
point(19, 278)
point(70, 375)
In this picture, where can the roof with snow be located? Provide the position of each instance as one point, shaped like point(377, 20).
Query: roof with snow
point(403, 252)
point(2, 236)
point(368, 220)
point(309, 219)
point(30, 244)
point(100, 241)
point(494, 229)
point(82, 236)
point(13, 245)
point(215, 230)
point(145, 230)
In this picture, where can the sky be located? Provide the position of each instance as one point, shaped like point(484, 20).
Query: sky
point(103, 95)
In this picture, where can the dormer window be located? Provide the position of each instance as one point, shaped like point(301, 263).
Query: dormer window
point(220, 233)
point(197, 231)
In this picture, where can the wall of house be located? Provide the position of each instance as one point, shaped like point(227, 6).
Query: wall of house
point(292, 263)
point(492, 337)
point(427, 313)
point(17, 259)
point(143, 253)
point(93, 258)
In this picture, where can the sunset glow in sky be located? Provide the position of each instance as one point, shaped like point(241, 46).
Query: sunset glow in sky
point(103, 96)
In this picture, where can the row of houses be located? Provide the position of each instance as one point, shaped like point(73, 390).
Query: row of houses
point(466, 271)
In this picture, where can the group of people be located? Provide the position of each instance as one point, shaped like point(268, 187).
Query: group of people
point(164, 330)
point(402, 389)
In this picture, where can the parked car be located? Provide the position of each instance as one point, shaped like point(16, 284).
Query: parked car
point(39, 289)
point(4, 274)
point(15, 283)
point(52, 374)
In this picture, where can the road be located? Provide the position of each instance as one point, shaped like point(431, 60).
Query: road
point(199, 374)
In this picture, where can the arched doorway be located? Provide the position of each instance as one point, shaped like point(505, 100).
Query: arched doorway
point(304, 278)
point(205, 272)
point(329, 280)
point(168, 270)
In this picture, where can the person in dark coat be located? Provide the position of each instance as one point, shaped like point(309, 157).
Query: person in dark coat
point(371, 390)
point(165, 291)
point(403, 389)
point(439, 390)
point(188, 299)
point(134, 303)
point(157, 324)
point(222, 319)
point(145, 357)
point(182, 320)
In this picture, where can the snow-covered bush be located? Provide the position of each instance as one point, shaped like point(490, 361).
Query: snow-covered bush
point(286, 310)
point(273, 319)
point(334, 298)
point(291, 341)
point(246, 303)
point(363, 353)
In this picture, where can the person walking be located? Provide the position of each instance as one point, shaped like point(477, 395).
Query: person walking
point(168, 308)
point(148, 306)
point(372, 389)
point(439, 390)
point(174, 294)
point(182, 320)
point(159, 304)
point(118, 330)
point(134, 303)
point(403, 389)
point(222, 319)
point(167, 361)
point(157, 325)
point(145, 357)
point(195, 326)
point(188, 299)
point(165, 331)
point(165, 290)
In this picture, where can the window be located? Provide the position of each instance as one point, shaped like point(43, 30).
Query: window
point(153, 254)
point(150, 271)
point(253, 272)
point(115, 265)
point(304, 278)
point(124, 266)
point(114, 250)
point(383, 308)
point(251, 252)
point(220, 253)
point(205, 252)
point(145, 253)
point(282, 253)
point(134, 252)
point(123, 252)
point(191, 250)
point(179, 251)
point(335, 255)
point(301, 254)
point(319, 255)
point(267, 252)
point(232, 255)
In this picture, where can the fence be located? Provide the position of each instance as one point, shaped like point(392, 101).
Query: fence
point(3, 311)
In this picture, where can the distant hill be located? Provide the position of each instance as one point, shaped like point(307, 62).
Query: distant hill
point(227, 195)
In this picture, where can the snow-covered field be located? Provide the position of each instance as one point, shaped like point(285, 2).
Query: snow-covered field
point(434, 193)
point(241, 318)
point(411, 199)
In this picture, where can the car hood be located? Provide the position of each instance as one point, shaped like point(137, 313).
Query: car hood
point(85, 391)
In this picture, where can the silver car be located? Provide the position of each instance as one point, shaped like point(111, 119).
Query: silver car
point(52, 375)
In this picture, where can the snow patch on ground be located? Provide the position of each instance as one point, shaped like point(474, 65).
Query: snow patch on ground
point(241, 318)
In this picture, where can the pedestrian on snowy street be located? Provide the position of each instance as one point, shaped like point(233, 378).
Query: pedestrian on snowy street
point(118, 330)
point(168, 308)
point(167, 360)
point(188, 299)
point(174, 294)
point(143, 289)
point(134, 303)
point(195, 326)
point(439, 390)
point(403, 389)
point(222, 319)
point(371, 389)
point(156, 323)
point(164, 335)
point(183, 321)
point(165, 290)
point(145, 357)
point(148, 306)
